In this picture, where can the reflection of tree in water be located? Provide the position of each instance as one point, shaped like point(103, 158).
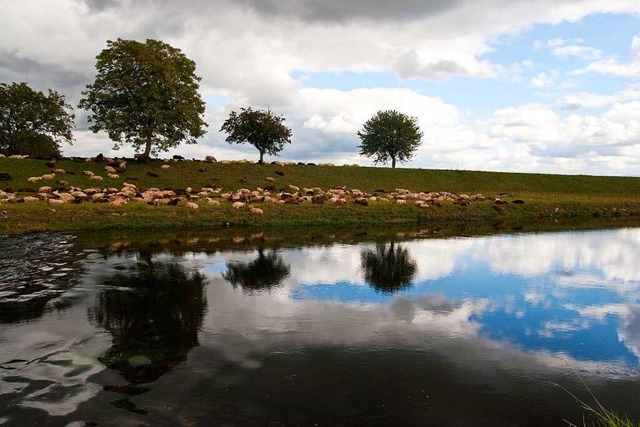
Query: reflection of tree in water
point(154, 313)
point(388, 268)
point(264, 273)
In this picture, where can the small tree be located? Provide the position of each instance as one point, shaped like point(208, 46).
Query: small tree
point(146, 95)
point(31, 122)
point(390, 135)
point(262, 129)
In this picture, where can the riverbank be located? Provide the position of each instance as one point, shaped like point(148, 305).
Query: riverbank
point(368, 196)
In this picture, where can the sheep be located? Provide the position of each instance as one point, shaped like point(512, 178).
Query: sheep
point(97, 178)
point(59, 171)
point(2, 156)
point(401, 202)
point(110, 169)
point(212, 202)
point(44, 189)
point(191, 205)
point(34, 179)
point(255, 211)
point(48, 176)
point(116, 203)
point(165, 167)
point(238, 205)
point(18, 157)
point(270, 179)
point(113, 176)
point(57, 201)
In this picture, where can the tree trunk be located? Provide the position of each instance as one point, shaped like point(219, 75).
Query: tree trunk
point(147, 148)
point(261, 156)
point(393, 163)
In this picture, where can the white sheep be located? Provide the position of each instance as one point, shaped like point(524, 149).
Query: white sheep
point(165, 167)
point(113, 176)
point(191, 205)
point(255, 211)
point(97, 178)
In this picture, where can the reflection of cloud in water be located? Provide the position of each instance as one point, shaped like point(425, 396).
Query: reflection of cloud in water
point(245, 328)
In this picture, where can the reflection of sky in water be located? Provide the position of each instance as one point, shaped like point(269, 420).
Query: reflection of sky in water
point(567, 293)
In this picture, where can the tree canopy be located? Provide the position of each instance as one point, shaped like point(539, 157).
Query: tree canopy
point(146, 95)
point(390, 135)
point(262, 129)
point(33, 123)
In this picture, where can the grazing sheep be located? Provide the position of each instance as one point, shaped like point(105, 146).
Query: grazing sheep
point(97, 178)
point(34, 179)
point(238, 205)
point(255, 211)
point(116, 203)
point(165, 167)
point(44, 189)
point(18, 157)
point(113, 176)
point(270, 179)
point(59, 171)
point(401, 202)
point(88, 173)
point(212, 202)
point(191, 205)
point(110, 169)
point(48, 176)
point(57, 201)
point(2, 156)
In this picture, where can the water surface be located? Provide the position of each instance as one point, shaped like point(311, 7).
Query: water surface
point(339, 329)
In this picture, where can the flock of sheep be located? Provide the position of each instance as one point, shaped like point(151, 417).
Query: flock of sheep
point(243, 198)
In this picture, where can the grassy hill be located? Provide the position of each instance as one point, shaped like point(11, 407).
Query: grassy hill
point(544, 195)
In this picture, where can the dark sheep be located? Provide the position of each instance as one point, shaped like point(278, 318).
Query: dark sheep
point(153, 174)
point(4, 176)
point(279, 173)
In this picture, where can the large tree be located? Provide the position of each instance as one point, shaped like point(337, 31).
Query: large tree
point(390, 135)
point(33, 123)
point(146, 95)
point(262, 129)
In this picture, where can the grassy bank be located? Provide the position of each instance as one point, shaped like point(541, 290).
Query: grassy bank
point(544, 196)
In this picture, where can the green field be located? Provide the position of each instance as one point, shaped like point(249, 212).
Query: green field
point(544, 196)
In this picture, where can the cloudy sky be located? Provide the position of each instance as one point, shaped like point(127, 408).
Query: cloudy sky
point(519, 85)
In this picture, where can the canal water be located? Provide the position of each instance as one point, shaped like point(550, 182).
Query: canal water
point(330, 328)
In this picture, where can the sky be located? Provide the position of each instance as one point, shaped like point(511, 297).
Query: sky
point(549, 86)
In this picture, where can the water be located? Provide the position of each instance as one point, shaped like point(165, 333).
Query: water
point(338, 328)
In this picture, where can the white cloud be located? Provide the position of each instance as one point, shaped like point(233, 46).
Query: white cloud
point(542, 80)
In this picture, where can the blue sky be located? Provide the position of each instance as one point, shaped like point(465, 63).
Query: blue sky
point(546, 86)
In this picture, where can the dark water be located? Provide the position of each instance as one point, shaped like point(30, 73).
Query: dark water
point(320, 329)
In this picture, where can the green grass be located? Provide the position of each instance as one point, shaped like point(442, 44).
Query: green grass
point(545, 196)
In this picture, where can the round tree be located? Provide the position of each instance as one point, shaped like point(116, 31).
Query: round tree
point(33, 123)
point(146, 95)
point(390, 135)
point(262, 129)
